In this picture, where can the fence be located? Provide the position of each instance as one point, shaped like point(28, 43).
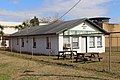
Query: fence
point(115, 44)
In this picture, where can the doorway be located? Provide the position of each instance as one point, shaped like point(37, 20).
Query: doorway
point(84, 44)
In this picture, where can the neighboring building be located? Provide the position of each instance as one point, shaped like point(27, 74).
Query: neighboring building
point(81, 35)
point(9, 28)
point(112, 28)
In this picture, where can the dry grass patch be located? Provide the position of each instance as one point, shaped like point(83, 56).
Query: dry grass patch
point(15, 66)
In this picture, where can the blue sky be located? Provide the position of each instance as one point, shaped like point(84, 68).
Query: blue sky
point(21, 10)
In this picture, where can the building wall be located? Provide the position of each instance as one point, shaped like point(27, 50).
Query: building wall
point(97, 49)
point(115, 37)
point(7, 31)
point(85, 27)
point(111, 27)
point(9, 28)
point(56, 42)
point(79, 50)
point(88, 27)
point(40, 45)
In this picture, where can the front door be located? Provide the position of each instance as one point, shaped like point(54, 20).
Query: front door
point(84, 44)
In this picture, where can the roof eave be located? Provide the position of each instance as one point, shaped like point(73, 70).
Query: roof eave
point(97, 26)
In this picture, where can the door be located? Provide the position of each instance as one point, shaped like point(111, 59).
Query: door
point(84, 44)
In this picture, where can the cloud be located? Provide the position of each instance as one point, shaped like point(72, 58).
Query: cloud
point(86, 8)
point(17, 15)
point(14, 2)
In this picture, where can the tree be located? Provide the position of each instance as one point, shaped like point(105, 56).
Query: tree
point(1, 30)
point(19, 27)
point(3, 43)
point(28, 23)
point(34, 21)
point(51, 19)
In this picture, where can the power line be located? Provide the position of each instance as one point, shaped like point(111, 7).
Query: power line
point(64, 13)
point(70, 9)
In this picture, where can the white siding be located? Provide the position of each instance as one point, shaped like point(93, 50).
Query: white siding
point(89, 27)
point(60, 43)
point(57, 42)
point(97, 49)
point(40, 45)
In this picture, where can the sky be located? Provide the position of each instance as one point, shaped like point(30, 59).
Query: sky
point(21, 10)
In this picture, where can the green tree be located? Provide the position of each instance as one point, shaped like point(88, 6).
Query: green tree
point(1, 30)
point(34, 21)
point(28, 23)
point(2, 35)
point(19, 27)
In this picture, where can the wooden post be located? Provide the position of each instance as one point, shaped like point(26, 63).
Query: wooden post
point(72, 48)
point(109, 68)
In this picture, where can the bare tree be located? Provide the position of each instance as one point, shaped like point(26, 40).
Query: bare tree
point(51, 19)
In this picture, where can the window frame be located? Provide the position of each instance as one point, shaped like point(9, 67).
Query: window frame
point(99, 41)
point(34, 42)
point(48, 43)
point(75, 47)
point(92, 42)
point(22, 42)
point(66, 44)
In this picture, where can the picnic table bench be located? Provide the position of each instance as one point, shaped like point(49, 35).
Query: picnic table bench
point(63, 54)
point(88, 56)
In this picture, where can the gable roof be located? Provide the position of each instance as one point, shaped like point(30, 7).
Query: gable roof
point(54, 28)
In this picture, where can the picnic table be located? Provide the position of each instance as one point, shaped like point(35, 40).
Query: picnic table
point(87, 56)
point(63, 54)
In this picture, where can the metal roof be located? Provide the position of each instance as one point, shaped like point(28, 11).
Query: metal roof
point(97, 18)
point(53, 28)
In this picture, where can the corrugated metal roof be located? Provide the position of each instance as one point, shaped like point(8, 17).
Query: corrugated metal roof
point(53, 28)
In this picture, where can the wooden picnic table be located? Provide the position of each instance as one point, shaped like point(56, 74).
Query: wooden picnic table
point(64, 53)
point(88, 56)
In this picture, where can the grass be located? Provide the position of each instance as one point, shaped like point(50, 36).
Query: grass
point(15, 66)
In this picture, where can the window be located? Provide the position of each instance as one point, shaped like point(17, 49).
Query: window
point(99, 41)
point(48, 45)
point(66, 42)
point(75, 42)
point(27, 40)
point(17, 41)
point(22, 41)
point(92, 42)
point(34, 43)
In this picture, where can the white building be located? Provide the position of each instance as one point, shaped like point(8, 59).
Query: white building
point(81, 35)
point(8, 28)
